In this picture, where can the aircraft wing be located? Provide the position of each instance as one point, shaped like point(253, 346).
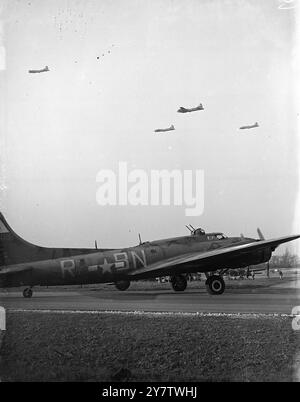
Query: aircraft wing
point(208, 256)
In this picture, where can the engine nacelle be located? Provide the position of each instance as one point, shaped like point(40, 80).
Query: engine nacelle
point(250, 258)
point(262, 256)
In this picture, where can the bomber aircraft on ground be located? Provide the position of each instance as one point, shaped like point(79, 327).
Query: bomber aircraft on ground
point(23, 264)
point(162, 130)
point(193, 109)
point(251, 126)
point(43, 70)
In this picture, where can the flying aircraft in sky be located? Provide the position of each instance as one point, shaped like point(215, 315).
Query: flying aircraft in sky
point(211, 253)
point(251, 126)
point(162, 130)
point(193, 109)
point(43, 70)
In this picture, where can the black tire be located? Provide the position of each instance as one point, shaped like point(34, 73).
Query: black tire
point(215, 285)
point(179, 283)
point(27, 293)
point(122, 285)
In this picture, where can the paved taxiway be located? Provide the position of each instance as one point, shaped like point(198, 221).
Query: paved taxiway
point(270, 300)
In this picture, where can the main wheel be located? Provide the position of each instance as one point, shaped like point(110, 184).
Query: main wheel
point(122, 285)
point(27, 292)
point(215, 285)
point(179, 283)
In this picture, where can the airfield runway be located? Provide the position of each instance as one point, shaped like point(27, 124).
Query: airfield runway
point(279, 298)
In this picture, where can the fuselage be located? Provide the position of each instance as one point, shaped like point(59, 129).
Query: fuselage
point(192, 109)
point(162, 130)
point(119, 264)
point(42, 70)
point(251, 126)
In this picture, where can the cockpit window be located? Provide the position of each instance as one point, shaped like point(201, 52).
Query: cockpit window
point(217, 236)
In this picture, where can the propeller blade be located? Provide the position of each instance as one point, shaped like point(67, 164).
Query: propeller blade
point(261, 236)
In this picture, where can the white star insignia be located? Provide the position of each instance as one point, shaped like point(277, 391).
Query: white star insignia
point(106, 266)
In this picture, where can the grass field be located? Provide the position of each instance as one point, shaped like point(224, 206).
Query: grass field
point(118, 347)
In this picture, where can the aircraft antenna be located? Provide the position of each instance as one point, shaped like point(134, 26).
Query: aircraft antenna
point(96, 246)
point(140, 239)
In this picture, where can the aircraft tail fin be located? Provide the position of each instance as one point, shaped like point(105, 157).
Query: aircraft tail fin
point(4, 228)
point(15, 250)
point(7, 237)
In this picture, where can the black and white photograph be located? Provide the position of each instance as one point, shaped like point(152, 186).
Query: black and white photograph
point(149, 194)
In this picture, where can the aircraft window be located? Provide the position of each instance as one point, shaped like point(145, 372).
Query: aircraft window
point(221, 237)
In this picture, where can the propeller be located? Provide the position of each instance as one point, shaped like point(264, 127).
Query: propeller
point(261, 236)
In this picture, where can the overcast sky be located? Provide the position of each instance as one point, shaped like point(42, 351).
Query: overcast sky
point(60, 128)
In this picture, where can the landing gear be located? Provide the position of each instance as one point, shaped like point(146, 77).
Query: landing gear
point(122, 285)
point(179, 283)
point(215, 285)
point(27, 293)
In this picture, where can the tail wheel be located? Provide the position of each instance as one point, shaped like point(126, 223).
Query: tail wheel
point(122, 285)
point(215, 285)
point(27, 293)
point(179, 283)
